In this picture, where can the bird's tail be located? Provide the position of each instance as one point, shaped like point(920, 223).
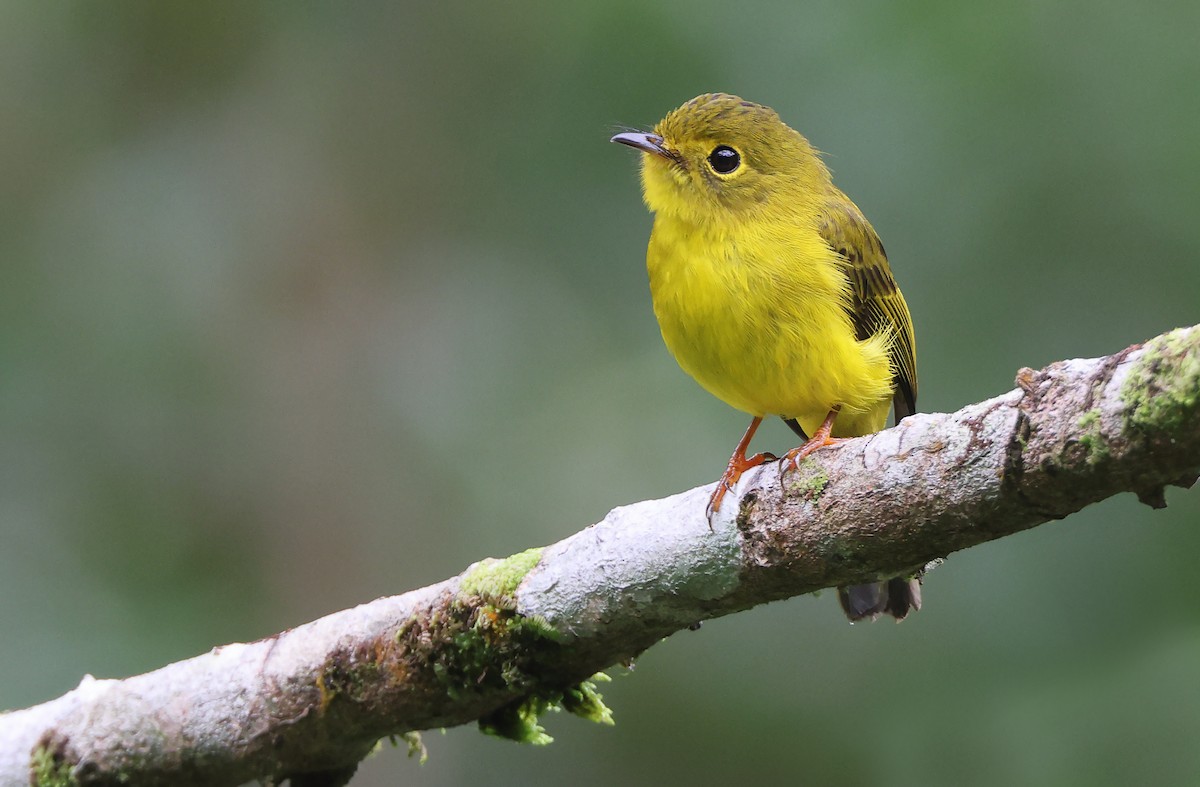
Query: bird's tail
point(896, 597)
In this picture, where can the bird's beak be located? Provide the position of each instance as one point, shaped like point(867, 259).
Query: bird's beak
point(648, 143)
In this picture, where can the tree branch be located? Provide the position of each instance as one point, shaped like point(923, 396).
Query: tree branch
point(506, 639)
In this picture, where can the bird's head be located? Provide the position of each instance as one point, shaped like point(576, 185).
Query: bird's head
point(721, 156)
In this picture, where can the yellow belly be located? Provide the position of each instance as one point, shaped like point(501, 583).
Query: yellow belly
point(758, 318)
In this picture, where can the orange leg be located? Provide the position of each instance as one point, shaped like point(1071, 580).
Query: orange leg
point(738, 464)
point(819, 440)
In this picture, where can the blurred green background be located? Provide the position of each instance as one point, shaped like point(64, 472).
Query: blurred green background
point(305, 305)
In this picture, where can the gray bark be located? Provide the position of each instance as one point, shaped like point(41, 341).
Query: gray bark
point(506, 638)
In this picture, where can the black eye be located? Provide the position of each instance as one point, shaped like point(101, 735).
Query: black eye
point(724, 159)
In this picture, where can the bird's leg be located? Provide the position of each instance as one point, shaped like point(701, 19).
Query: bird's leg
point(738, 464)
point(819, 440)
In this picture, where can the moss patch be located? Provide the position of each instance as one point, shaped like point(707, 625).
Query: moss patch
point(47, 770)
point(471, 645)
point(808, 480)
point(521, 720)
point(1162, 392)
point(585, 702)
point(498, 630)
point(498, 579)
point(1091, 438)
point(416, 746)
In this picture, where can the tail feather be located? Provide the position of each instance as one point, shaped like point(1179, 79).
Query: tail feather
point(896, 597)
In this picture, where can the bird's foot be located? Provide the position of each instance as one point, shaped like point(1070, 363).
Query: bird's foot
point(791, 460)
point(738, 464)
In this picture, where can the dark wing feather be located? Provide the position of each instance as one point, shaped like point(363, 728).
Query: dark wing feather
point(876, 303)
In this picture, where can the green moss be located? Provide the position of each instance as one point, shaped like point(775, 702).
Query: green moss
point(490, 640)
point(47, 770)
point(474, 643)
point(1162, 391)
point(352, 675)
point(498, 579)
point(416, 746)
point(520, 721)
point(536, 624)
point(1091, 437)
point(585, 702)
point(411, 740)
point(808, 480)
point(500, 649)
point(488, 651)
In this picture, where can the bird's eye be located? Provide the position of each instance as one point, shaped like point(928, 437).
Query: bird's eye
point(724, 159)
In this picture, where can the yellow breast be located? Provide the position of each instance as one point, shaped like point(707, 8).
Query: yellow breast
point(756, 313)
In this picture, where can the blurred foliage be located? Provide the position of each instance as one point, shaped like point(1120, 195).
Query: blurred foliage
point(303, 305)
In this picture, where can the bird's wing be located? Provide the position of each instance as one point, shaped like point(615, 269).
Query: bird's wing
point(876, 303)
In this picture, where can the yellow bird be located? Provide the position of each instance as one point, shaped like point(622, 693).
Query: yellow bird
point(773, 291)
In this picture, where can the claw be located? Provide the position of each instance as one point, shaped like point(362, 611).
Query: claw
point(791, 460)
point(738, 464)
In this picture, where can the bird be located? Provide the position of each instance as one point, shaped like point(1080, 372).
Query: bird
point(773, 291)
